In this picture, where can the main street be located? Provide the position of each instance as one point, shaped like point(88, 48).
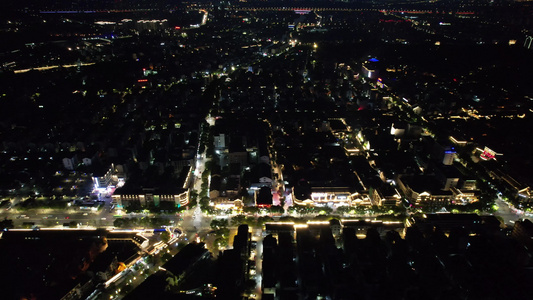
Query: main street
point(509, 213)
point(192, 220)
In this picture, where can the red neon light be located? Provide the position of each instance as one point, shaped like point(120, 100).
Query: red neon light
point(488, 154)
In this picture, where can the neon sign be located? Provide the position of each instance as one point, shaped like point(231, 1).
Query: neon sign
point(488, 154)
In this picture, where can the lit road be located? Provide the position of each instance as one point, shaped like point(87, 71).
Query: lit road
point(506, 212)
point(52, 67)
point(509, 214)
point(57, 217)
point(197, 217)
point(258, 237)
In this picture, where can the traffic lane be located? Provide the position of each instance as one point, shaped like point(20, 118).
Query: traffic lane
point(49, 211)
point(56, 219)
point(506, 212)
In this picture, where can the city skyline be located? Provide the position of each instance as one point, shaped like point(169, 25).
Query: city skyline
point(266, 149)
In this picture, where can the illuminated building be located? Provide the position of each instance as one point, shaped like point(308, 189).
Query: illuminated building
point(449, 156)
point(464, 196)
point(124, 197)
point(380, 83)
point(457, 141)
point(525, 194)
point(369, 71)
point(332, 196)
point(138, 239)
point(113, 177)
point(386, 195)
point(70, 163)
point(302, 11)
point(443, 151)
point(220, 141)
point(337, 227)
point(223, 192)
point(152, 24)
point(421, 189)
point(262, 176)
point(369, 68)
point(382, 227)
